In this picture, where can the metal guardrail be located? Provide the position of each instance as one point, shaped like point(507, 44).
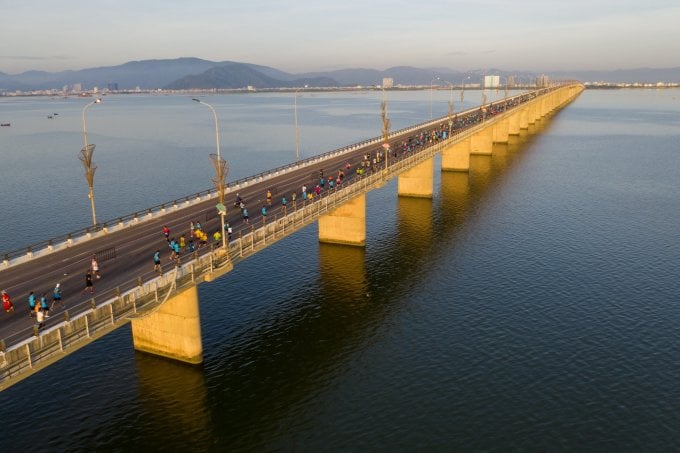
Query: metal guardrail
point(70, 238)
point(138, 298)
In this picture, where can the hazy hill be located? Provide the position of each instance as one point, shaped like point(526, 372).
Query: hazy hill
point(198, 73)
point(240, 75)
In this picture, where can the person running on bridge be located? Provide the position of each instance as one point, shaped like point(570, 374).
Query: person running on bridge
point(229, 231)
point(95, 267)
point(7, 302)
point(191, 229)
point(31, 304)
point(89, 286)
point(283, 204)
point(39, 317)
point(269, 197)
point(157, 261)
point(166, 233)
point(175, 251)
point(56, 297)
point(44, 306)
point(245, 216)
point(264, 214)
point(304, 192)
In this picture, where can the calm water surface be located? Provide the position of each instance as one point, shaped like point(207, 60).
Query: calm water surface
point(532, 304)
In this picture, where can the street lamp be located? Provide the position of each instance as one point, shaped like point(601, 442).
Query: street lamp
point(462, 90)
point(86, 158)
point(386, 128)
point(450, 106)
point(221, 170)
point(297, 130)
point(431, 82)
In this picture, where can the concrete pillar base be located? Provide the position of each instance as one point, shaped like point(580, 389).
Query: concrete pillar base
point(346, 224)
point(173, 331)
point(457, 156)
point(418, 181)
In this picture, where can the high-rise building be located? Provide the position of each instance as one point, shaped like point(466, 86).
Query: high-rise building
point(492, 81)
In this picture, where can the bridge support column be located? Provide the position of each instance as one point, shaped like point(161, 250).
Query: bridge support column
point(524, 118)
point(513, 124)
point(501, 131)
point(346, 224)
point(457, 156)
point(482, 141)
point(531, 115)
point(418, 181)
point(173, 331)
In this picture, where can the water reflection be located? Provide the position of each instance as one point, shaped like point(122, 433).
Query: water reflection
point(174, 395)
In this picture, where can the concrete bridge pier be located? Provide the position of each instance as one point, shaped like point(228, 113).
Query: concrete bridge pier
point(513, 124)
point(173, 330)
point(524, 118)
point(418, 181)
point(501, 130)
point(346, 224)
point(482, 141)
point(456, 157)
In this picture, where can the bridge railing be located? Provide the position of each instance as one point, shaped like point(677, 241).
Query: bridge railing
point(73, 237)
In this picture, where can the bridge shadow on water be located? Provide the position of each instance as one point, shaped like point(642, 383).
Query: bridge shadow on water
point(264, 388)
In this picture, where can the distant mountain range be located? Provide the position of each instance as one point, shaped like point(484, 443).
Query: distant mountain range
point(186, 73)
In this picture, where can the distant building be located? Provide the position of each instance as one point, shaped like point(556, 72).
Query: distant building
point(76, 88)
point(542, 81)
point(510, 82)
point(492, 81)
point(113, 86)
point(388, 82)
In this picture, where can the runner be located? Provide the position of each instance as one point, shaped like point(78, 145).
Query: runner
point(95, 267)
point(7, 302)
point(56, 297)
point(157, 261)
point(89, 286)
point(166, 233)
point(44, 306)
point(269, 197)
point(31, 304)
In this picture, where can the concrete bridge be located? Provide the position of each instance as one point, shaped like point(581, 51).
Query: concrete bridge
point(162, 307)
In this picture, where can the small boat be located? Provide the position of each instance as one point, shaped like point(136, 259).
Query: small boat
point(50, 117)
point(5, 124)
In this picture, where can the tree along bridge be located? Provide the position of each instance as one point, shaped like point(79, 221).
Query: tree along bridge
point(163, 306)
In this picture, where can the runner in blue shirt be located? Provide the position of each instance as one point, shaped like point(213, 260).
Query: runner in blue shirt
point(31, 304)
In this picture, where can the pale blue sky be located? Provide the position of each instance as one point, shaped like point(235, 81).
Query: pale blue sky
point(302, 35)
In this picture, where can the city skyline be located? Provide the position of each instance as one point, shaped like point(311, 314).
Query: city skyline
point(310, 36)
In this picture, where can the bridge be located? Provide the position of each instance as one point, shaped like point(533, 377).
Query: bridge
point(162, 306)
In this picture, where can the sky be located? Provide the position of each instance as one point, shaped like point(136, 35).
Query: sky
point(302, 35)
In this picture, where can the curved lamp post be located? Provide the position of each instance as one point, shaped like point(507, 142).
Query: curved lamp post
point(450, 107)
point(385, 129)
point(462, 90)
point(86, 158)
point(297, 130)
point(221, 170)
point(431, 89)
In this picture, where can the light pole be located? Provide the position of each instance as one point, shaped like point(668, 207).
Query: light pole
point(431, 86)
point(221, 170)
point(86, 158)
point(297, 130)
point(462, 90)
point(386, 128)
